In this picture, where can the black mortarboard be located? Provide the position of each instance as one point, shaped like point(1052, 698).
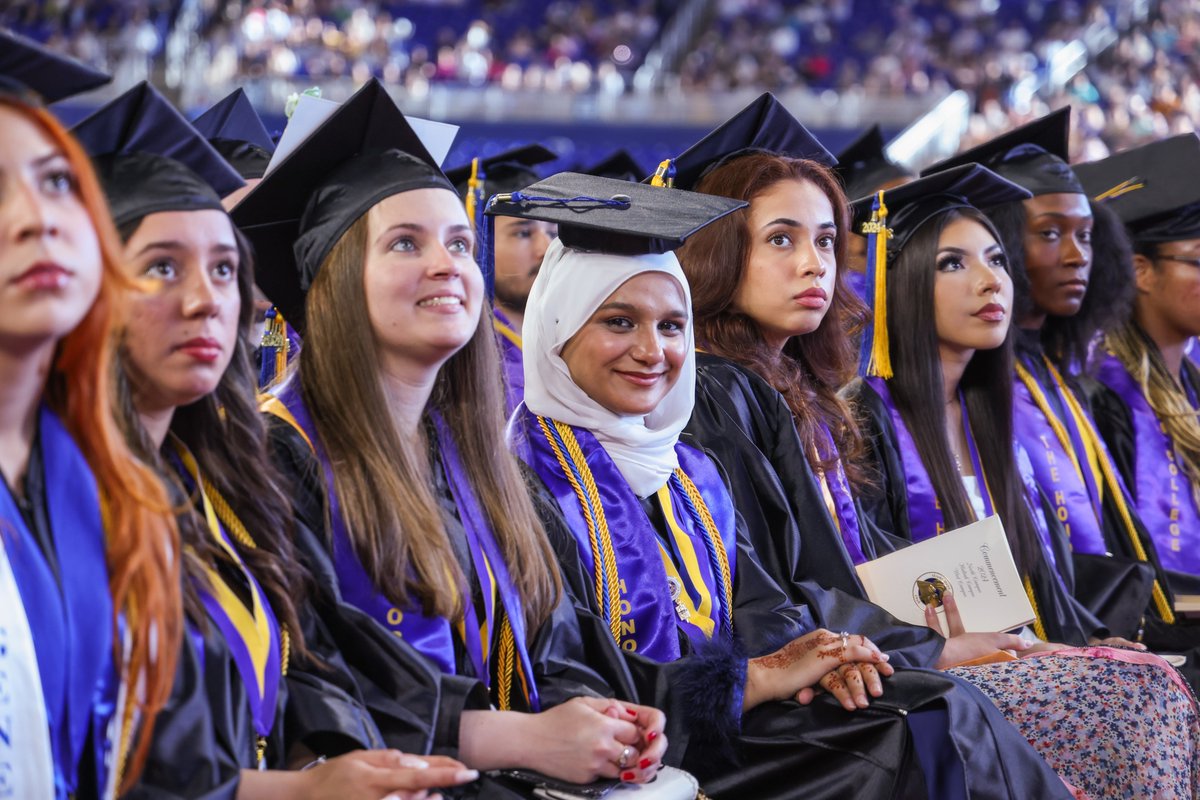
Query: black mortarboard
point(504, 172)
point(613, 216)
point(889, 222)
point(363, 153)
point(620, 165)
point(864, 165)
point(26, 65)
point(150, 159)
point(1154, 189)
point(763, 126)
point(233, 127)
point(1033, 156)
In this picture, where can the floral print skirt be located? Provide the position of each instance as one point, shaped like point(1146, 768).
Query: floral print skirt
point(1112, 722)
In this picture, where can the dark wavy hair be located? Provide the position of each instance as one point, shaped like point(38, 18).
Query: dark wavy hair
point(1109, 299)
point(227, 435)
point(986, 386)
point(812, 368)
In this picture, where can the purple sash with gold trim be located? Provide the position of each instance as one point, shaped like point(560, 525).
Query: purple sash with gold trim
point(1162, 492)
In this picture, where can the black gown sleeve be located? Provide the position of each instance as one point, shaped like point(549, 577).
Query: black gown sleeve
point(885, 507)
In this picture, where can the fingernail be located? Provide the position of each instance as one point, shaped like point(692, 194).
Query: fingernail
point(412, 762)
point(627, 776)
point(644, 763)
point(466, 775)
point(1026, 643)
point(651, 736)
point(631, 712)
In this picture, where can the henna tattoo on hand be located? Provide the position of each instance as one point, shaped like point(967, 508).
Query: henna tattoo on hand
point(794, 651)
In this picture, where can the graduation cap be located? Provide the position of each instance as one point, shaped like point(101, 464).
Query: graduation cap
point(864, 165)
point(894, 216)
point(506, 172)
point(763, 126)
point(620, 165)
point(234, 129)
point(613, 216)
point(150, 159)
point(1033, 156)
point(26, 65)
point(363, 153)
point(1154, 189)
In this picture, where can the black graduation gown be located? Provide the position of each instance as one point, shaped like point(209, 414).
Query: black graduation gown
point(1115, 588)
point(418, 708)
point(205, 734)
point(1064, 618)
point(783, 749)
point(1115, 425)
point(745, 425)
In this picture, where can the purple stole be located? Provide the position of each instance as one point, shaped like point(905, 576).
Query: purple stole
point(840, 499)
point(924, 511)
point(1073, 491)
point(71, 616)
point(512, 359)
point(433, 637)
point(1164, 498)
point(251, 632)
point(618, 545)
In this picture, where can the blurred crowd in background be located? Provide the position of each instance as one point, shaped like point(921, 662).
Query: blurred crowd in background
point(1141, 83)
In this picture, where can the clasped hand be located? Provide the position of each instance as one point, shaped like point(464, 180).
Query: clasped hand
point(850, 668)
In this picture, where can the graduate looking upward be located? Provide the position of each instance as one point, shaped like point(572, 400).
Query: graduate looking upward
point(391, 428)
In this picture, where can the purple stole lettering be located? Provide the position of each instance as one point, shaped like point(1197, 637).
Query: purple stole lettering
point(1162, 492)
point(511, 357)
point(649, 624)
point(843, 499)
point(433, 637)
point(71, 618)
point(1076, 498)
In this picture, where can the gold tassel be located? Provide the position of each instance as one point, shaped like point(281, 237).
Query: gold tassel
point(880, 362)
point(661, 179)
point(473, 187)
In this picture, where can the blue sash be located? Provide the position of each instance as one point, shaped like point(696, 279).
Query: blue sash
point(433, 637)
point(1165, 499)
point(72, 622)
point(648, 588)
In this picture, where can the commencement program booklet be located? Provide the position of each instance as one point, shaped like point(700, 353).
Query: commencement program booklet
point(974, 562)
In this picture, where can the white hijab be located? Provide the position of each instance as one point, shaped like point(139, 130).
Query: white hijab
point(571, 285)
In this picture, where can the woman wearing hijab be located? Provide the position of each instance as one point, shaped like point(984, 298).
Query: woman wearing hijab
point(658, 551)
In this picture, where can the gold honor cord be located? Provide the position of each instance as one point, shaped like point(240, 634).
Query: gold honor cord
point(1038, 627)
point(714, 535)
point(1092, 442)
point(599, 537)
point(507, 333)
point(220, 508)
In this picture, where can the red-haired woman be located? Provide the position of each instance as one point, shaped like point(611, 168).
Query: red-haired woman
point(86, 568)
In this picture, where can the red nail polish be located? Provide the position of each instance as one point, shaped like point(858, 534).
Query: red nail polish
point(627, 776)
point(651, 736)
point(644, 763)
point(631, 712)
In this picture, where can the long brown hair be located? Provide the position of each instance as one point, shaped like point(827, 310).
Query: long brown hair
point(383, 479)
point(140, 534)
point(986, 386)
point(227, 435)
point(812, 368)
